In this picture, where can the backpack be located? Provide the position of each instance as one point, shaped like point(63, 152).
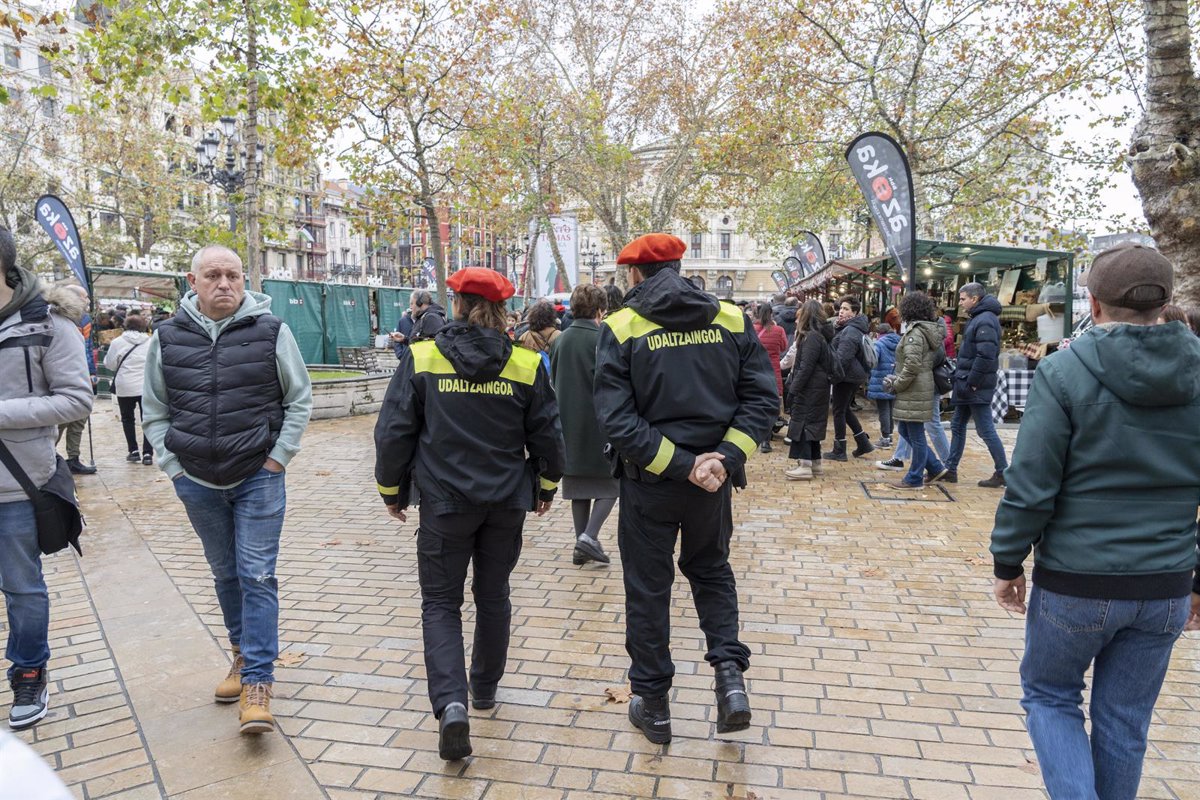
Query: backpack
point(866, 352)
point(837, 373)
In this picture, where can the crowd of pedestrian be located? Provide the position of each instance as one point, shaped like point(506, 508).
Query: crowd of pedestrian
point(655, 398)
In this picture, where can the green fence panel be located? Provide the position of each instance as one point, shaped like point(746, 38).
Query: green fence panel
point(347, 319)
point(392, 303)
point(300, 306)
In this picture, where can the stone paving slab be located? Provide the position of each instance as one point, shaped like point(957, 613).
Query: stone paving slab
point(881, 666)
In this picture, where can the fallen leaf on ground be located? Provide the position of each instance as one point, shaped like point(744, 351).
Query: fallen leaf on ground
point(331, 543)
point(618, 694)
point(749, 795)
point(324, 473)
point(290, 659)
point(870, 572)
point(977, 561)
point(366, 542)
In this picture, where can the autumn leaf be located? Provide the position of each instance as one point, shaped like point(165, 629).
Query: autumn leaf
point(977, 561)
point(870, 572)
point(331, 543)
point(618, 694)
point(366, 542)
point(289, 659)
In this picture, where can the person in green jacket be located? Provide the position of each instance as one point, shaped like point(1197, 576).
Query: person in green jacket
point(1103, 487)
point(913, 385)
point(587, 482)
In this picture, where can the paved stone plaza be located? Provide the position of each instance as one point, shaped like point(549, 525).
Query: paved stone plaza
point(882, 667)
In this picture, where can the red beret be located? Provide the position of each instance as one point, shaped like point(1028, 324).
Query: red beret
point(652, 248)
point(487, 283)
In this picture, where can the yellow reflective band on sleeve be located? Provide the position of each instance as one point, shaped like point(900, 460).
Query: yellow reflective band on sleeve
point(666, 451)
point(388, 491)
point(427, 358)
point(741, 440)
point(627, 324)
point(522, 366)
point(548, 485)
point(730, 318)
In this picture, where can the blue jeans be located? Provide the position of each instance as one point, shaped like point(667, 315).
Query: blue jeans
point(914, 434)
point(240, 529)
point(25, 595)
point(935, 432)
point(985, 427)
point(1130, 643)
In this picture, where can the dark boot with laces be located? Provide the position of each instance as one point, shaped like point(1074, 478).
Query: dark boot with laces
point(31, 697)
point(651, 716)
point(733, 704)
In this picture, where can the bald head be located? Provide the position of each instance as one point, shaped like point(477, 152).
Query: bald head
point(218, 281)
point(214, 251)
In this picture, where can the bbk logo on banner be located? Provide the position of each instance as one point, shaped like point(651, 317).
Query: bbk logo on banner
point(145, 263)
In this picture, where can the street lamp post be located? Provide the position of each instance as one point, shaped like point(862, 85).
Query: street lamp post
point(593, 258)
point(228, 174)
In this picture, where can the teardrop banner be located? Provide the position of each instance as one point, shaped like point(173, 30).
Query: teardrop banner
point(56, 221)
point(810, 252)
point(781, 279)
point(882, 172)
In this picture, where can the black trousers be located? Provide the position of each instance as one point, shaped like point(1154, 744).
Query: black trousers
point(446, 543)
point(651, 516)
point(843, 396)
point(127, 405)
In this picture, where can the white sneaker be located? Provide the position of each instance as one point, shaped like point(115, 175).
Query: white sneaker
point(799, 473)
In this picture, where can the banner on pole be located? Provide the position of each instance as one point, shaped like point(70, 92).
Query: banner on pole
point(545, 277)
point(810, 253)
point(781, 279)
point(57, 222)
point(882, 173)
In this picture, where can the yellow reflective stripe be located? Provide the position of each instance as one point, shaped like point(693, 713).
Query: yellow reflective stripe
point(549, 485)
point(743, 442)
point(730, 318)
point(666, 451)
point(427, 358)
point(627, 324)
point(522, 366)
point(388, 491)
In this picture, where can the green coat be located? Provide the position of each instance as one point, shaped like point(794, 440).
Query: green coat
point(1105, 477)
point(914, 372)
point(572, 369)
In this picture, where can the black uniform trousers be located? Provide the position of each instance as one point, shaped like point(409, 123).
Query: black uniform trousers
point(446, 543)
point(651, 516)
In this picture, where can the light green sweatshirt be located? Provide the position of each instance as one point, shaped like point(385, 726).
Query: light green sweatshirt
point(293, 380)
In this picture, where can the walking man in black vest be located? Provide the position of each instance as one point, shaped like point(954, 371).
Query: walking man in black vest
point(226, 399)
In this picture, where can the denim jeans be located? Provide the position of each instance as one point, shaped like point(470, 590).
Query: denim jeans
point(885, 416)
point(25, 595)
point(914, 434)
point(240, 529)
point(984, 427)
point(1129, 642)
point(935, 432)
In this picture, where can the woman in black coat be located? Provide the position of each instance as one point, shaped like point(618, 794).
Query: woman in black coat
point(808, 392)
point(587, 482)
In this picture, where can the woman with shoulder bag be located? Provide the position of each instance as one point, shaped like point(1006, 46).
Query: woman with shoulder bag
point(808, 392)
point(913, 384)
point(127, 360)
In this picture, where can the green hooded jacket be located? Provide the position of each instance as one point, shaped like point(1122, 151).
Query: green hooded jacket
point(1105, 478)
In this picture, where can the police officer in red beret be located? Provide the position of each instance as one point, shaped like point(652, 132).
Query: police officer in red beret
point(684, 392)
point(472, 422)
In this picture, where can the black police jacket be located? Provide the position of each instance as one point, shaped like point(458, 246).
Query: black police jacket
point(472, 421)
point(679, 374)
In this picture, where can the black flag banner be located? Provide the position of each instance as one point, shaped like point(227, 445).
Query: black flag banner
point(781, 279)
point(793, 270)
point(56, 221)
point(883, 174)
point(810, 252)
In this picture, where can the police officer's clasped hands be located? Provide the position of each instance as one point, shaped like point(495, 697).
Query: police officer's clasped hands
point(709, 473)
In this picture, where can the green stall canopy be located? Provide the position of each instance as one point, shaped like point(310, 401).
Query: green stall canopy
point(347, 319)
point(392, 303)
point(301, 306)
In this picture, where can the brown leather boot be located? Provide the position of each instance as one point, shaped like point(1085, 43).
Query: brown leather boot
point(230, 689)
point(256, 708)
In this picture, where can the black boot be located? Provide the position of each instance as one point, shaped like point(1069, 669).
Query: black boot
point(838, 453)
point(77, 467)
point(454, 733)
point(864, 444)
point(733, 704)
point(765, 447)
point(651, 716)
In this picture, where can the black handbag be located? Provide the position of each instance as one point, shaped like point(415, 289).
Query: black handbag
point(943, 372)
point(55, 509)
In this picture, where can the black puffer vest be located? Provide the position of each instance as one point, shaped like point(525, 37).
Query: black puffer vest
point(225, 399)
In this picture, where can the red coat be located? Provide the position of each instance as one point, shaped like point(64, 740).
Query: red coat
point(775, 342)
point(951, 352)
